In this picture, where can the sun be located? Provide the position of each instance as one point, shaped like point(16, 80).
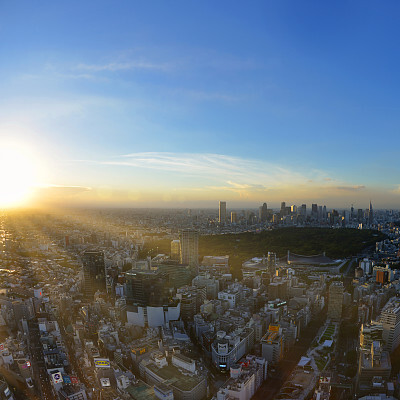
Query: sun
point(17, 175)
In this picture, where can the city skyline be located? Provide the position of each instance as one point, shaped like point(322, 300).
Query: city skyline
point(157, 106)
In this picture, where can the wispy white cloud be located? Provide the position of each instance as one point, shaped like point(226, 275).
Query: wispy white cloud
point(353, 188)
point(235, 172)
point(396, 190)
point(124, 66)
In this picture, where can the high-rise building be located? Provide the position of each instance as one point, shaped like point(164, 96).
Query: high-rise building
point(222, 212)
point(175, 250)
point(189, 239)
point(303, 210)
point(390, 320)
point(178, 275)
point(94, 272)
point(283, 208)
point(263, 212)
point(233, 217)
point(370, 214)
point(314, 211)
point(335, 304)
point(147, 288)
point(324, 213)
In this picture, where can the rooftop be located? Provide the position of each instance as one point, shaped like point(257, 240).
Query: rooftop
point(141, 391)
point(173, 376)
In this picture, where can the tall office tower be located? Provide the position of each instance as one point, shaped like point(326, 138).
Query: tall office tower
point(324, 213)
point(222, 212)
point(233, 217)
point(283, 208)
point(319, 213)
point(147, 288)
point(352, 212)
point(303, 210)
point(189, 247)
point(370, 214)
point(293, 209)
point(263, 212)
point(335, 301)
point(360, 215)
point(94, 272)
point(314, 211)
point(390, 320)
point(175, 250)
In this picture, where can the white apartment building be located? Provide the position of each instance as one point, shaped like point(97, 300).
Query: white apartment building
point(390, 320)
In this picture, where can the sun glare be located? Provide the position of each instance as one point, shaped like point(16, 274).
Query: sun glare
point(17, 175)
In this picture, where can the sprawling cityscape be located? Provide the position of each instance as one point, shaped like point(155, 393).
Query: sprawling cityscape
point(87, 312)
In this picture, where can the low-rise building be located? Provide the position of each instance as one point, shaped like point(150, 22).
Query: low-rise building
point(227, 349)
point(245, 379)
point(272, 344)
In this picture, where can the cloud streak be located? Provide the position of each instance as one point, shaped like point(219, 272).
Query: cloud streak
point(235, 172)
point(353, 188)
point(124, 66)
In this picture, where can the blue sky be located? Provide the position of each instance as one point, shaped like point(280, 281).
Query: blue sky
point(243, 101)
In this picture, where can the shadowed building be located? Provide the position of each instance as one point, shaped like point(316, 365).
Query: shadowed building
point(222, 212)
point(335, 301)
point(189, 239)
point(94, 272)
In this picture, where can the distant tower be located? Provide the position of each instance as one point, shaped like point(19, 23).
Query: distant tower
point(94, 272)
point(314, 211)
point(263, 212)
point(189, 239)
point(370, 214)
point(233, 217)
point(222, 212)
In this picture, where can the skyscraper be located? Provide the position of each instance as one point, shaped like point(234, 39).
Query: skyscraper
point(147, 288)
point(94, 272)
point(222, 212)
point(233, 217)
point(283, 208)
point(335, 301)
point(263, 212)
point(189, 239)
point(314, 211)
point(370, 214)
point(324, 213)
